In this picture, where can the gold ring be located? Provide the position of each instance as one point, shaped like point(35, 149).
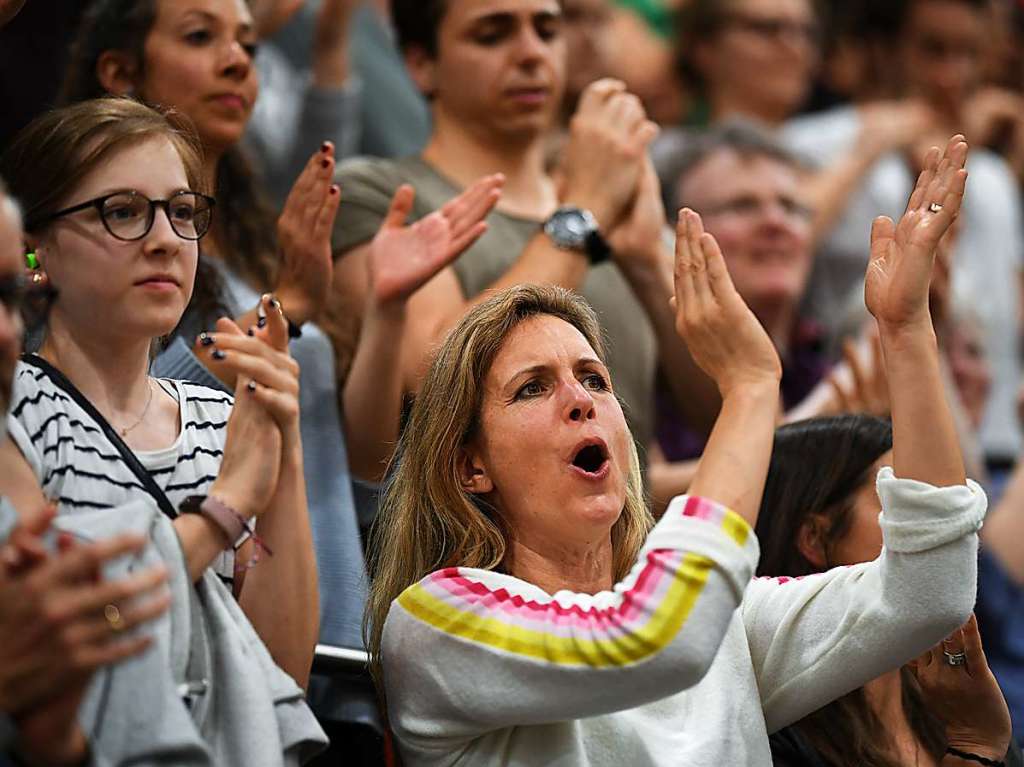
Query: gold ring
point(114, 617)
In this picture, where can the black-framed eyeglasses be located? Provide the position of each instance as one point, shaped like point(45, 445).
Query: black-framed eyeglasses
point(776, 29)
point(129, 215)
point(19, 294)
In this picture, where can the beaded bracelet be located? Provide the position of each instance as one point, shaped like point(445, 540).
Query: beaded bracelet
point(967, 756)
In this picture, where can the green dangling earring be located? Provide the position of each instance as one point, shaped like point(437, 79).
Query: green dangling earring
point(31, 261)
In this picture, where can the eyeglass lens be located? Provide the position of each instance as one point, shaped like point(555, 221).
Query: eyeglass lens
point(130, 216)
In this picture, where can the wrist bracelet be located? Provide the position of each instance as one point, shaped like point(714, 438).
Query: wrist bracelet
point(967, 756)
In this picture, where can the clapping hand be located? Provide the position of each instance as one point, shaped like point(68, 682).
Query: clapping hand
point(723, 335)
point(902, 255)
point(304, 235)
point(404, 257)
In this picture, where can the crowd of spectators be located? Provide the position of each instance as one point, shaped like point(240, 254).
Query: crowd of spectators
point(609, 381)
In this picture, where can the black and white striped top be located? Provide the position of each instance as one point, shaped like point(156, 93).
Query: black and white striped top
point(79, 469)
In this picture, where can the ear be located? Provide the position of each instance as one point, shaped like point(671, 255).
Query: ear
point(473, 474)
point(117, 72)
point(811, 539)
point(422, 69)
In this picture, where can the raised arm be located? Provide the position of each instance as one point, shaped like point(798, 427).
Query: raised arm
point(817, 638)
point(925, 445)
point(733, 349)
point(402, 258)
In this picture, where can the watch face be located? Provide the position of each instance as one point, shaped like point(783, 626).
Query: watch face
point(569, 227)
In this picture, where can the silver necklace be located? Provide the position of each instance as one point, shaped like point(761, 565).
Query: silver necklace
point(124, 431)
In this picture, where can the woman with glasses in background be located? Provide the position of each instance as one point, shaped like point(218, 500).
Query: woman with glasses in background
point(114, 208)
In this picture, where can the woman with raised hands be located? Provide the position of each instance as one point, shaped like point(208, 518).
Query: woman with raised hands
point(197, 57)
point(114, 209)
point(524, 612)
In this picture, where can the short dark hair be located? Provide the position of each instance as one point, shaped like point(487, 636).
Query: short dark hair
point(417, 22)
point(744, 137)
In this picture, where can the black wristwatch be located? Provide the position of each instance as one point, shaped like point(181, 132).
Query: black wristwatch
point(577, 229)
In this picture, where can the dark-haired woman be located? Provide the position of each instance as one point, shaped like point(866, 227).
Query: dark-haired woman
point(823, 513)
point(198, 59)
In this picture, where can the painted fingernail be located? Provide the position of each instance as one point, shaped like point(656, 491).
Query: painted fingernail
point(205, 339)
point(261, 323)
point(325, 163)
point(275, 304)
point(250, 332)
point(325, 147)
point(251, 386)
point(218, 354)
point(334, 189)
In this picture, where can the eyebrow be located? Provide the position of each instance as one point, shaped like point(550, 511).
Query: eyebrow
point(582, 362)
point(245, 26)
point(509, 17)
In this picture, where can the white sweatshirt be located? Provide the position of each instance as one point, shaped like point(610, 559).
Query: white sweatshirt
point(485, 669)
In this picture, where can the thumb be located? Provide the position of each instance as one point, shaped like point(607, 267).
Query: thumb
point(401, 207)
point(882, 228)
point(227, 326)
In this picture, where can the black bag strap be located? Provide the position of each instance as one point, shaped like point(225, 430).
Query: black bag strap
point(127, 455)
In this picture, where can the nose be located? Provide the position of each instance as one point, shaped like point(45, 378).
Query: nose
point(237, 61)
point(579, 404)
point(530, 47)
point(162, 239)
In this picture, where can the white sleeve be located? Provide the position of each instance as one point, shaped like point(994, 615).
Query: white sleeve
point(816, 638)
point(469, 651)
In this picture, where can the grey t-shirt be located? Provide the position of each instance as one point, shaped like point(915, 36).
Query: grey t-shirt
point(366, 188)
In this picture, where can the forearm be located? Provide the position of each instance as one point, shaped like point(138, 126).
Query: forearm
point(734, 465)
point(925, 445)
point(372, 396)
point(694, 394)
point(201, 540)
point(280, 594)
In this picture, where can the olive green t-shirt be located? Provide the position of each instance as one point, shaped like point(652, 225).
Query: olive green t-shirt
point(367, 185)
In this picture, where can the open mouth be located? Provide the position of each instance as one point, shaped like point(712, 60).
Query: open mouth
point(591, 460)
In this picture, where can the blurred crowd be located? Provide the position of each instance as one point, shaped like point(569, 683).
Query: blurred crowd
point(351, 184)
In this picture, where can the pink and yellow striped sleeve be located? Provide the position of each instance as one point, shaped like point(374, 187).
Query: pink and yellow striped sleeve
point(570, 655)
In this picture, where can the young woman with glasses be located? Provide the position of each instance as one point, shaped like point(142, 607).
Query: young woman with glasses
point(114, 207)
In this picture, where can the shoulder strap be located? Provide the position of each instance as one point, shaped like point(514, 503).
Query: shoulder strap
point(127, 455)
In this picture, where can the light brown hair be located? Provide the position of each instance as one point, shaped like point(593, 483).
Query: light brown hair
point(49, 158)
point(427, 521)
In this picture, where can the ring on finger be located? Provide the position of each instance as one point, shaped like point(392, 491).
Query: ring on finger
point(958, 658)
point(114, 618)
point(935, 207)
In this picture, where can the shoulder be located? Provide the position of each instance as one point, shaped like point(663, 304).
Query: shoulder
point(203, 408)
point(36, 402)
point(360, 175)
point(820, 136)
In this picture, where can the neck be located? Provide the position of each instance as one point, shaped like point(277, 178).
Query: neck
point(211, 162)
point(112, 373)
point(463, 155)
point(585, 568)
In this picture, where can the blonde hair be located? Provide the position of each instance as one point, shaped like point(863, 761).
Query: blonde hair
point(427, 521)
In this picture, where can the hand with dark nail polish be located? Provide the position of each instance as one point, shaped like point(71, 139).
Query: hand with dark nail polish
point(205, 339)
point(218, 354)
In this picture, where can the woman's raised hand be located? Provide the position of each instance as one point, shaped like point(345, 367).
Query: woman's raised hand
point(404, 257)
point(903, 254)
point(304, 236)
point(724, 337)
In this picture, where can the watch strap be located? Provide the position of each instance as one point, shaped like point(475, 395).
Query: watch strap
point(597, 248)
point(228, 521)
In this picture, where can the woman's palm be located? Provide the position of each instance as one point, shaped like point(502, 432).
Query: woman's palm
point(902, 255)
